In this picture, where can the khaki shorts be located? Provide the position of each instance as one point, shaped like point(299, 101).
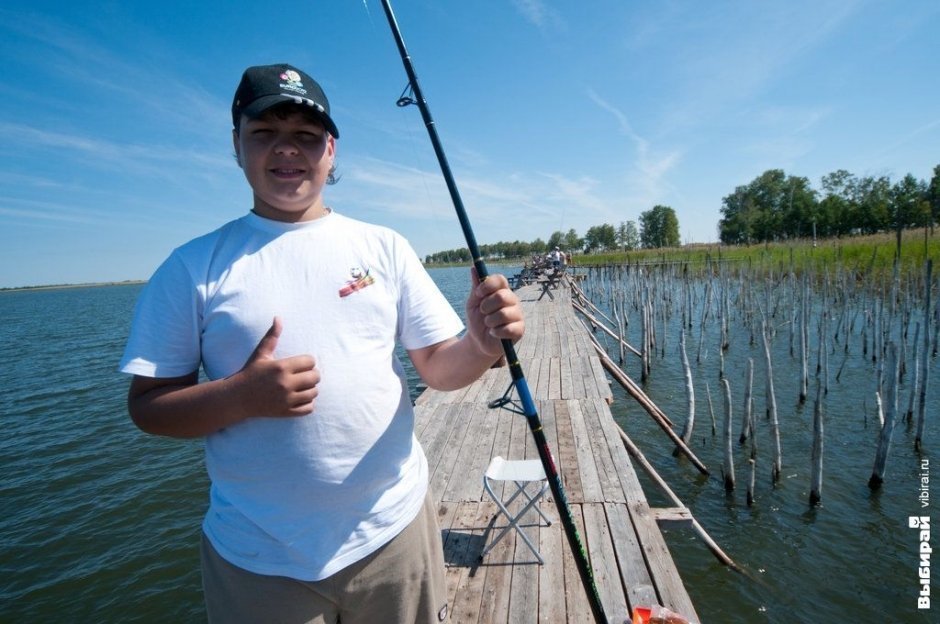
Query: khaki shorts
point(402, 582)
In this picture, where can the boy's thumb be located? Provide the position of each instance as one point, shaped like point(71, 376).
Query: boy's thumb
point(268, 342)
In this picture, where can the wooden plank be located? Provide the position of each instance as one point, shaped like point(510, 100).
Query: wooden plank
point(579, 609)
point(441, 449)
point(608, 479)
point(604, 562)
point(679, 517)
point(567, 383)
point(467, 604)
point(498, 568)
point(455, 547)
point(554, 374)
point(623, 466)
point(591, 490)
point(552, 606)
point(566, 454)
point(600, 378)
point(633, 571)
point(545, 378)
point(454, 455)
point(469, 482)
point(672, 593)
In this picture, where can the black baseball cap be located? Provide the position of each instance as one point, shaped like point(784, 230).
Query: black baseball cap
point(264, 86)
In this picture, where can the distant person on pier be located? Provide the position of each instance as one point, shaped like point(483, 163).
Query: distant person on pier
point(555, 257)
point(319, 509)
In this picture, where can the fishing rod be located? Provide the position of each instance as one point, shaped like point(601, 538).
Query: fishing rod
point(518, 377)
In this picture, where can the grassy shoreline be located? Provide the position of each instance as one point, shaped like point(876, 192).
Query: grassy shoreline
point(873, 254)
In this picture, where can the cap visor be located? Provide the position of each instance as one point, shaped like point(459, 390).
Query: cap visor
point(262, 104)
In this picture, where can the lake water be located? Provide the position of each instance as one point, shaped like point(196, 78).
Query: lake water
point(100, 522)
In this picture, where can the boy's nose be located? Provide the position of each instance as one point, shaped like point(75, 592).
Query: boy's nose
point(285, 145)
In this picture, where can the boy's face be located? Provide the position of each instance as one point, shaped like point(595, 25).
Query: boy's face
point(286, 155)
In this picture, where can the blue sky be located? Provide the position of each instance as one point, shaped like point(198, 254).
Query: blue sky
point(115, 131)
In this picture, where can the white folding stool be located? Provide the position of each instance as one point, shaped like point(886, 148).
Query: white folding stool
point(522, 473)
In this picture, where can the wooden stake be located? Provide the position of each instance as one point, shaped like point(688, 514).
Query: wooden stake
point(815, 492)
point(690, 394)
point(925, 361)
point(887, 431)
point(728, 466)
point(772, 411)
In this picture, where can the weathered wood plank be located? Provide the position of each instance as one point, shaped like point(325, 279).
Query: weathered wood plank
point(566, 453)
point(662, 569)
point(595, 413)
point(460, 435)
point(551, 575)
point(590, 484)
point(604, 562)
point(579, 610)
point(462, 455)
point(441, 450)
point(633, 571)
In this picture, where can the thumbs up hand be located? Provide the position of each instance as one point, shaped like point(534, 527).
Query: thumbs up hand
point(278, 387)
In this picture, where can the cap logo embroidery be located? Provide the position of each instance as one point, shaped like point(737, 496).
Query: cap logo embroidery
point(292, 82)
point(360, 279)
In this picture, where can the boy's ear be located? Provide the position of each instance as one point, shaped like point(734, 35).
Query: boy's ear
point(238, 156)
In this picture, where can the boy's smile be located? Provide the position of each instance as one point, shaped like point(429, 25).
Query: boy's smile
point(286, 155)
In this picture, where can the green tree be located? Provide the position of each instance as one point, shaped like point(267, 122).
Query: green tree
point(600, 238)
point(737, 225)
point(837, 205)
point(628, 236)
point(772, 206)
point(573, 241)
point(872, 205)
point(906, 198)
point(659, 227)
point(933, 197)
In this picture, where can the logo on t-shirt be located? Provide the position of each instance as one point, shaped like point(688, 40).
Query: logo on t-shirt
point(360, 279)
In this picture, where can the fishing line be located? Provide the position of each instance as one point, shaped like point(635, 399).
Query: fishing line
point(525, 404)
point(405, 132)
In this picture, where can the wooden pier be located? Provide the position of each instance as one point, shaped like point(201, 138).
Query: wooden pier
point(632, 565)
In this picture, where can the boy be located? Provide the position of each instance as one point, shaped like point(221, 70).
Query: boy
point(318, 509)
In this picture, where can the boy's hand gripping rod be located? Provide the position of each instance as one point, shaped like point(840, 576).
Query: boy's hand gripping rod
point(518, 378)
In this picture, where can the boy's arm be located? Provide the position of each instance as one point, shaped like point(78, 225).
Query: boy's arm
point(493, 314)
point(180, 407)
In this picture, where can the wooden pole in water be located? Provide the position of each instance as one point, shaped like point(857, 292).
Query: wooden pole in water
point(772, 410)
point(705, 308)
point(915, 383)
point(925, 362)
point(728, 466)
point(804, 339)
point(815, 492)
point(887, 431)
point(690, 394)
point(751, 482)
point(748, 403)
point(711, 410)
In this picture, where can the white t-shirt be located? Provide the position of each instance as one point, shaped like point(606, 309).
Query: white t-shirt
point(301, 497)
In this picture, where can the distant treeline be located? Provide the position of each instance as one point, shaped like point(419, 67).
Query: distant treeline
point(772, 207)
point(775, 206)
